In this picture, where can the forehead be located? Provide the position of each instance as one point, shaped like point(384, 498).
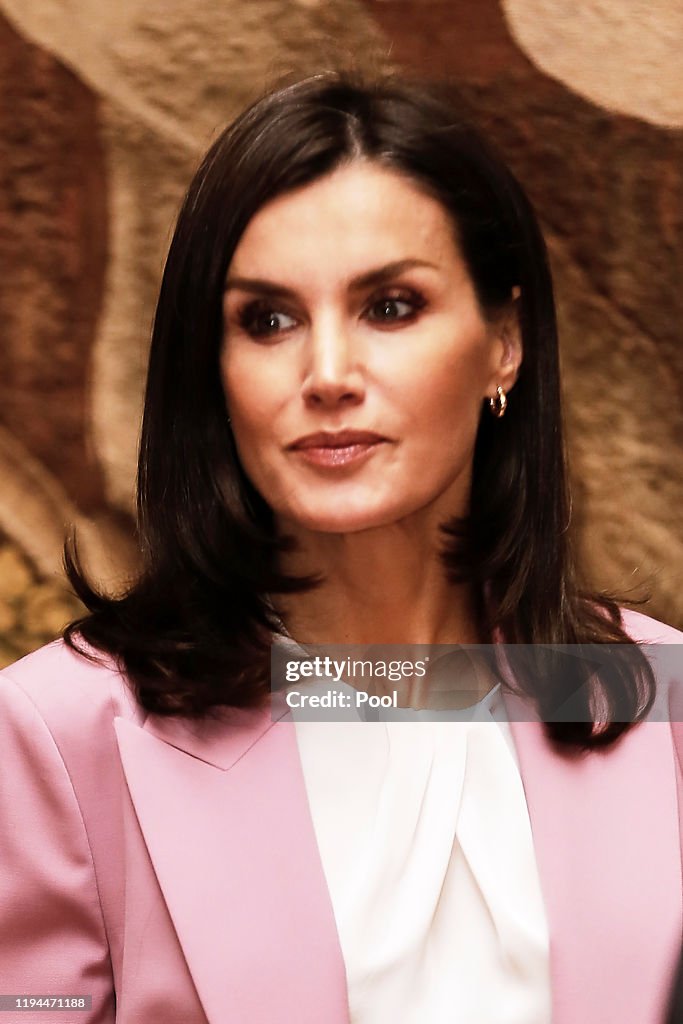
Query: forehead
point(360, 215)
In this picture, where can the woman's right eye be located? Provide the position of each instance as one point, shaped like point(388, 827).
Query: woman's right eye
point(261, 320)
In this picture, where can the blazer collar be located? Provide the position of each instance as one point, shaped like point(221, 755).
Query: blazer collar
point(224, 814)
point(607, 844)
point(223, 809)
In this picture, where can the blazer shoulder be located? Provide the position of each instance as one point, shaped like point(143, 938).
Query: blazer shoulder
point(644, 629)
point(662, 644)
point(72, 694)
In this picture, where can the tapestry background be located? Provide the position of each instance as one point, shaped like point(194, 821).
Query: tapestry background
point(104, 112)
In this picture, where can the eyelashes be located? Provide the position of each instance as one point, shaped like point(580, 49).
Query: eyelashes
point(265, 318)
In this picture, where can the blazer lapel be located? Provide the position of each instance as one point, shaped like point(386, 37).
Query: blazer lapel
point(608, 852)
point(223, 810)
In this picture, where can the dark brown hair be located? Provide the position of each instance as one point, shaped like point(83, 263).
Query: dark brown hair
point(194, 630)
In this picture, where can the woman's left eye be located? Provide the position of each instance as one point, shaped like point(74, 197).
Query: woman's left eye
point(390, 309)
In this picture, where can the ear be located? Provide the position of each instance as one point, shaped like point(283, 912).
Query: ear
point(506, 348)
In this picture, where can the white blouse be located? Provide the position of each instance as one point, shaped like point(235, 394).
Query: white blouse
point(426, 845)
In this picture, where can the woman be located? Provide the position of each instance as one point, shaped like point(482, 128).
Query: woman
point(352, 434)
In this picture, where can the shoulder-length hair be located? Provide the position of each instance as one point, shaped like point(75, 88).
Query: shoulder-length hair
point(193, 631)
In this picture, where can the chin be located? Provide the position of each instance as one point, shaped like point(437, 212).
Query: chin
point(340, 519)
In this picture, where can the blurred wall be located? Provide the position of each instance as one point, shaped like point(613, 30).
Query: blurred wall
point(104, 112)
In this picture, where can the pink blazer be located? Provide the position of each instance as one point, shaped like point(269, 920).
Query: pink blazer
point(171, 871)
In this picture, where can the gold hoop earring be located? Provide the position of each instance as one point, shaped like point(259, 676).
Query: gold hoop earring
point(498, 404)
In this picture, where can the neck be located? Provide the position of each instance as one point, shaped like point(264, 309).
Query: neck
point(379, 586)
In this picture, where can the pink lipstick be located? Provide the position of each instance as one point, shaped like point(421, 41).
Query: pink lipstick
point(337, 449)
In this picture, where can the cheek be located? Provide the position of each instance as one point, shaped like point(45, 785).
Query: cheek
point(253, 392)
point(445, 430)
point(446, 395)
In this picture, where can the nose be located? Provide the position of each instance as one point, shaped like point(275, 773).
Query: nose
point(333, 374)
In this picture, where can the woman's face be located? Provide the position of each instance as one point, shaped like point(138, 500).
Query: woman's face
point(356, 358)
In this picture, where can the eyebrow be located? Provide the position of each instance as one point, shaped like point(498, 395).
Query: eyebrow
point(367, 280)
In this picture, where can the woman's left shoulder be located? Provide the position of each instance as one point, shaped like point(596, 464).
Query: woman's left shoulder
point(661, 643)
point(644, 629)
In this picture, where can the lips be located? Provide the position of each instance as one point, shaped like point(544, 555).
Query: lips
point(337, 439)
point(336, 450)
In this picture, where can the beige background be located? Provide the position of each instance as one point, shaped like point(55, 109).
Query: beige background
point(105, 110)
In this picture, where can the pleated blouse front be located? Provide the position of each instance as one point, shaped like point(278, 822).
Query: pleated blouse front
point(426, 845)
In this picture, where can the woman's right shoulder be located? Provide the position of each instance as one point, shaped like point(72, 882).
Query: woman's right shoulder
point(72, 694)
